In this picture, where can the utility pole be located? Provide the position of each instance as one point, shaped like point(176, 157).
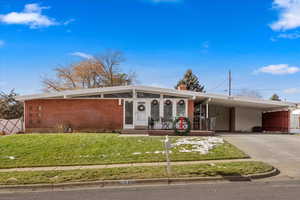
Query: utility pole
point(229, 83)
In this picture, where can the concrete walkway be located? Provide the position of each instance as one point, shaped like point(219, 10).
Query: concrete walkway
point(62, 168)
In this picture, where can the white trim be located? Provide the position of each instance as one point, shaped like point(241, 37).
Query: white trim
point(162, 91)
point(187, 108)
point(207, 112)
point(161, 106)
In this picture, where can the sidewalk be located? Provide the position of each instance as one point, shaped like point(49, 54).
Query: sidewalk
point(62, 168)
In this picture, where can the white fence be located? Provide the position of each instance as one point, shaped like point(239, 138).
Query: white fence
point(12, 126)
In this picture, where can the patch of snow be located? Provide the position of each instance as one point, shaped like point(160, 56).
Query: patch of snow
point(136, 153)
point(200, 145)
point(160, 152)
point(10, 157)
point(85, 156)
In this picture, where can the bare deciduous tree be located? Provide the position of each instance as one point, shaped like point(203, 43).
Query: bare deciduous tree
point(101, 71)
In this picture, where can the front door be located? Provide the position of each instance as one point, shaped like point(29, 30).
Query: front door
point(141, 114)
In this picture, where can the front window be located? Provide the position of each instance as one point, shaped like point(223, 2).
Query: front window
point(168, 110)
point(128, 112)
point(181, 108)
point(147, 95)
point(155, 110)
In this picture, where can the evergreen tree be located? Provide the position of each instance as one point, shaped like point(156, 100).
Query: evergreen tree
point(275, 97)
point(191, 82)
point(10, 108)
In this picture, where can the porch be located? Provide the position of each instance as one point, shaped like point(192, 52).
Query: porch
point(233, 114)
point(155, 116)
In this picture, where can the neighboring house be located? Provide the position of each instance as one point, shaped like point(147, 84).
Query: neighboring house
point(130, 107)
point(295, 121)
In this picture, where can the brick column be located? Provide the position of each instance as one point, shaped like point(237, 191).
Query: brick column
point(191, 109)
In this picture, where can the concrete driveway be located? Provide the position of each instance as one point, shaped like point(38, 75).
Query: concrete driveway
point(281, 151)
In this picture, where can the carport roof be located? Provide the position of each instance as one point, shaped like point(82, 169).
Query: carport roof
point(197, 96)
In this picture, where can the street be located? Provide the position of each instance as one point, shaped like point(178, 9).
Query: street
point(274, 190)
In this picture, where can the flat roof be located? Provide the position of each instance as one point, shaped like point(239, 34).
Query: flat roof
point(199, 96)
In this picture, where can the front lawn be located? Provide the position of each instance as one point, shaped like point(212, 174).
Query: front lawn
point(125, 173)
point(89, 149)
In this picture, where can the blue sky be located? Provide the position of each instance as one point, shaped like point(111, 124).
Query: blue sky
point(259, 40)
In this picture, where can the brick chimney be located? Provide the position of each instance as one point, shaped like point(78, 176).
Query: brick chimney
point(182, 87)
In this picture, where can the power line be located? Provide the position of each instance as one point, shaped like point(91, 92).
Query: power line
point(263, 89)
point(230, 88)
point(219, 85)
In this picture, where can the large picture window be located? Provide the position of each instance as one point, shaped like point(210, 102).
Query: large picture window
point(128, 112)
point(168, 110)
point(155, 110)
point(181, 108)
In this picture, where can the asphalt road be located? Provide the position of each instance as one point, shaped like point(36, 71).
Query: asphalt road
point(284, 190)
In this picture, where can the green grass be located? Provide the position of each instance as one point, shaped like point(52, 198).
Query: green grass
point(89, 149)
point(199, 170)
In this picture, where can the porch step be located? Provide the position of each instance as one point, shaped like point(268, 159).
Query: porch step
point(165, 132)
point(133, 131)
point(140, 127)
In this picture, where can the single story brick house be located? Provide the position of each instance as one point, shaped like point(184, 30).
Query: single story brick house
point(131, 107)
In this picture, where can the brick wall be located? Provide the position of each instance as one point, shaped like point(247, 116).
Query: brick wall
point(276, 121)
point(191, 110)
point(86, 115)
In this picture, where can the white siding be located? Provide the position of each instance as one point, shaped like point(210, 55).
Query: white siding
point(247, 118)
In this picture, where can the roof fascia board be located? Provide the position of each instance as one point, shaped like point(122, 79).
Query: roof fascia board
point(166, 91)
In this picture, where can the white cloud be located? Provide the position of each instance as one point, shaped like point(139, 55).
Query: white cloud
point(82, 55)
point(289, 14)
point(2, 43)
point(292, 91)
point(279, 69)
point(34, 8)
point(31, 16)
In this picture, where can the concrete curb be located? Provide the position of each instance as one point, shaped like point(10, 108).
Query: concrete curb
point(132, 182)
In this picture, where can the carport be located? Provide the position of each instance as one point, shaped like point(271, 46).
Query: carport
point(240, 114)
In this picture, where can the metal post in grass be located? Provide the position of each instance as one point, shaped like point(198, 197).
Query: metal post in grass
point(167, 150)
